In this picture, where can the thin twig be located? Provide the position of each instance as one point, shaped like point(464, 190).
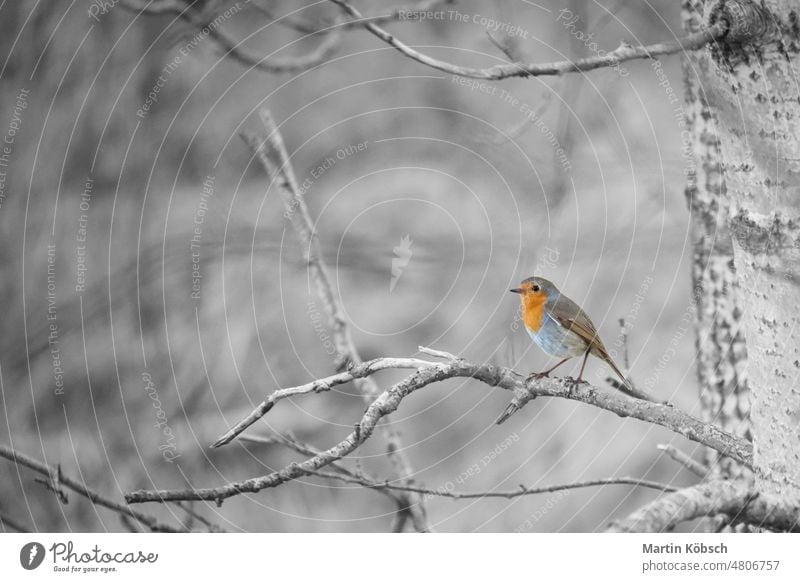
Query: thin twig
point(395, 15)
point(347, 476)
point(57, 477)
point(623, 53)
point(522, 490)
point(436, 353)
point(623, 330)
point(233, 48)
point(697, 468)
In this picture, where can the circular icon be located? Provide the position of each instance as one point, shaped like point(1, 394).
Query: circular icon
point(31, 555)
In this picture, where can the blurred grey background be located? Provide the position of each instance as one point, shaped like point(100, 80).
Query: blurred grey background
point(106, 344)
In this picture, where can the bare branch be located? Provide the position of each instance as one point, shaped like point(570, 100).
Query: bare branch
point(298, 25)
point(317, 386)
point(735, 499)
point(623, 331)
point(623, 53)
point(154, 7)
point(282, 173)
point(309, 451)
point(55, 476)
point(521, 491)
point(233, 48)
point(385, 404)
point(347, 476)
point(507, 45)
point(697, 468)
point(53, 484)
point(389, 401)
point(524, 391)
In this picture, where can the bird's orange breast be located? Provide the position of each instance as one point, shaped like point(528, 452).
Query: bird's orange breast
point(533, 311)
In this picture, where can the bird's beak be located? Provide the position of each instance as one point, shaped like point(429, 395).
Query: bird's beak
point(515, 290)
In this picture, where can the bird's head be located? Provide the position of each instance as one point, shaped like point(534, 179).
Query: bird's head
point(535, 289)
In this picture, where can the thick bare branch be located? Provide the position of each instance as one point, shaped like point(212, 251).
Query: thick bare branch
point(56, 476)
point(624, 53)
point(385, 404)
point(655, 413)
point(388, 402)
point(735, 499)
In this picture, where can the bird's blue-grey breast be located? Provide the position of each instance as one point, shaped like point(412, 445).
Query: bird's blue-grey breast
point(554, 339)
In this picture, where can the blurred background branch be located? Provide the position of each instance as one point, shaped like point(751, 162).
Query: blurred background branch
point(57, 479)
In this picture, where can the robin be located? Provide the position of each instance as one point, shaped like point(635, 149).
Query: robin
point(560, 327)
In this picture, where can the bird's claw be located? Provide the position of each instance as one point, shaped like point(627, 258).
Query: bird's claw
point(573, 383)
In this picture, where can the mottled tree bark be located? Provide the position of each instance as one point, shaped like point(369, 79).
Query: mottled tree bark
point(720, 345)
point(750, 84)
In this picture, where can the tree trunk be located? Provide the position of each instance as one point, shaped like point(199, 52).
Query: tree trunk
point(720, 346)
point(749, 85)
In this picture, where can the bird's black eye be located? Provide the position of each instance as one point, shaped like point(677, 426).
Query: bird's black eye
point(535, 288)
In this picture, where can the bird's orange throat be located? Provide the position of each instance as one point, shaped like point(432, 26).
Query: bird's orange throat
point(533, 310)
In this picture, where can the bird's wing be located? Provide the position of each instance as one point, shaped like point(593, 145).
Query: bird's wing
point(567, 314)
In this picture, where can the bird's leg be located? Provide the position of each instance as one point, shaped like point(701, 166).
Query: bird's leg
point(546, 373)
point(580, 374)
point(583, 365)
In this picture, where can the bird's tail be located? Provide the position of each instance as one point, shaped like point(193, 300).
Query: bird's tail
point(607, 359)
point(629, 387)
point(600, 352)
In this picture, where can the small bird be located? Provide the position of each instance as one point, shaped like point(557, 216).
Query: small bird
point(560, 327)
